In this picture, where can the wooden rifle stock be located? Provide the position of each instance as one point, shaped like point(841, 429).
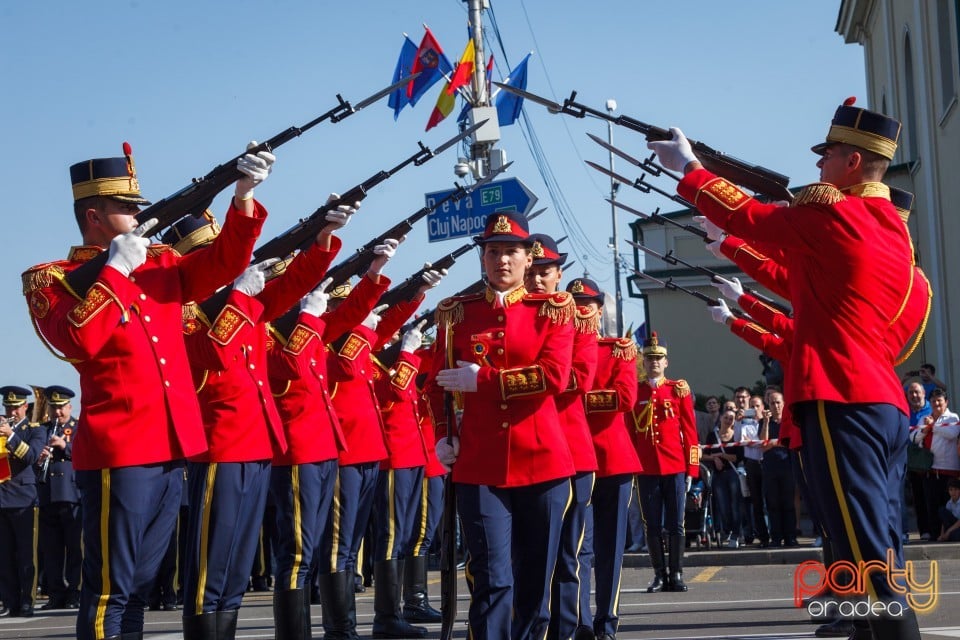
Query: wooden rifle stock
point(448, 538)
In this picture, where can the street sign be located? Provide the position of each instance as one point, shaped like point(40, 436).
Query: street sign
point(465, 217)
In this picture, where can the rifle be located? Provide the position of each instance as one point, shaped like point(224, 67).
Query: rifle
point(754, 177)
point(640, 184)
point(670, 258)
point(661, 219)
point(196, 197)
point(406, 290)
point(300, 235)
point(448, 538)
point(360, 260)
point(673, 286)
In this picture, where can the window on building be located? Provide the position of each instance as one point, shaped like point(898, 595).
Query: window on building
point(946, 53)
point(910, 99)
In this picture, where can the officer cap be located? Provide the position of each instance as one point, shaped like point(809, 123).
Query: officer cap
point(903, 201)
point(14, 396)
point(192, 232)
point(653, 347)
point(114, 178)
point(505, 226)
point(341, 291)
point(585, 290)
point(545, 250)
point(862, 128)
point(57, 395)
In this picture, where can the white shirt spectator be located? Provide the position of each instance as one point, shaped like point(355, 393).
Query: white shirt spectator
point(944, 442)
point(954, 508)
point(750, 430)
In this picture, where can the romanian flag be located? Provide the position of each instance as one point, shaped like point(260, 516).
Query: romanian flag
point(464, 69)
point(432, 65)
point(445, 102)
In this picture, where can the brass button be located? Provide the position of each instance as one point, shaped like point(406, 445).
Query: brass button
point(504, 406)
point(500, 317)
point(504, 425)
point(500, 334)
point(500, 351)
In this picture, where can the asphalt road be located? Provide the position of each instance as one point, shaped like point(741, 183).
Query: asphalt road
point(726, 600)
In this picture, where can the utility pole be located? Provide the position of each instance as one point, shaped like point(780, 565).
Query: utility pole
point(484, 157)
point(615, 240)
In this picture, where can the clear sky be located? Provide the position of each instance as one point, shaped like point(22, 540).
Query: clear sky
point(189, 83)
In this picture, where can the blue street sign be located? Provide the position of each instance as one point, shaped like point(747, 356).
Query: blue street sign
point(465, 217)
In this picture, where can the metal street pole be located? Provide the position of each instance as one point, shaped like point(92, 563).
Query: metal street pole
point(615, 241)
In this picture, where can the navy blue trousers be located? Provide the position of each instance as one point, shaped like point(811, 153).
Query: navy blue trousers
point(611, 499)
point(854, 456)
point(352, 501)
point(60, 548)
point(662, 500)
point(227, 500)
point(397, 501)
point(512, 537)
point(18, 557)
point(302, 494)
point(586, 561)
point(565, 596)
point(128, 517)
point(428, 515)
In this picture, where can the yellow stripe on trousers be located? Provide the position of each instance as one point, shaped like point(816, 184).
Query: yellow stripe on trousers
point(205, 537)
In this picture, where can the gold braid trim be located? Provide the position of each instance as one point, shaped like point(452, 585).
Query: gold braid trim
point(818, 193)
point(683, 388)
point(625, 349)
point(586, 320)
point(41, 277)
point(449, 311)
point(923, 326)
point(559, 307)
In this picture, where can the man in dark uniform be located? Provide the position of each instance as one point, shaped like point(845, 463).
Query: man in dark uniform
point(20, 445)
point(850, 267)
point(60, 528)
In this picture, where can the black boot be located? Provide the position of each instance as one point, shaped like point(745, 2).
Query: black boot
point(416, 602)
point(676, 563)
point(387, 621)
point(655, 547)
point(288, 614)
point(200, 627)
point(339, 606)
point(227, 624)
point(131, 635)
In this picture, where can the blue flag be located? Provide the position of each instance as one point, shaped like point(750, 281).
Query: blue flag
point(398, 99)
point(640, 334)
point(509, 105)
point(430, 61)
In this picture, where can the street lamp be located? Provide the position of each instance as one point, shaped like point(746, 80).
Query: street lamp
point(615, 241)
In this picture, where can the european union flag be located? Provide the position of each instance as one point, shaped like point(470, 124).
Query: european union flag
point(508, 104)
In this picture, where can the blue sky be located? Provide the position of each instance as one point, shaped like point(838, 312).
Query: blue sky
point(188, 84)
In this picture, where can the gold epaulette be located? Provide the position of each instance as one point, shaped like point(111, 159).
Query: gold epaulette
point(155, 250)
point(682, 387)
point(42, 276)
point(625, 349)
point(819, 193)
point(559, 306)
point(450, 310)
point(586, 320)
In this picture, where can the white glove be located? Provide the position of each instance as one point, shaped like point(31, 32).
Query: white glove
point(714, 248)
point(689, 483)
point(721, 313)
point(256, 168)
point(432, 277)
point(129, 250)
point(254, 277)
point(673, 154)
point(463, 378)
point(413, 338)
point(373, 318)
point(384, 252)
point(315, 302)
point(731, 289)
point(447, 453)
point(339, 217)
point(713, 231)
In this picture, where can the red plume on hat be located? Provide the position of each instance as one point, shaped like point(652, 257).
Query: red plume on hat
point(849, 102)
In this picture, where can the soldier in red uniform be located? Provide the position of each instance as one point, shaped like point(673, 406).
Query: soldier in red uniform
point(230, 481)
point(666, 441)
point(140, 412)
point(570, 580)
point(507, 355)
point(607, 401)
point(850, 266)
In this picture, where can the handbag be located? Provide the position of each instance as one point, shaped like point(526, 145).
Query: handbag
point(919, 458)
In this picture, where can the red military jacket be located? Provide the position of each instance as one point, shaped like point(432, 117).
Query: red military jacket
point(125, 338)
point(240, 417)
point(612, 395)
point(573, 417)
point(851, 272)
point(510, 434)
point(396, 390)
point(665, 429)
point(301, 371)
point(433, 469)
